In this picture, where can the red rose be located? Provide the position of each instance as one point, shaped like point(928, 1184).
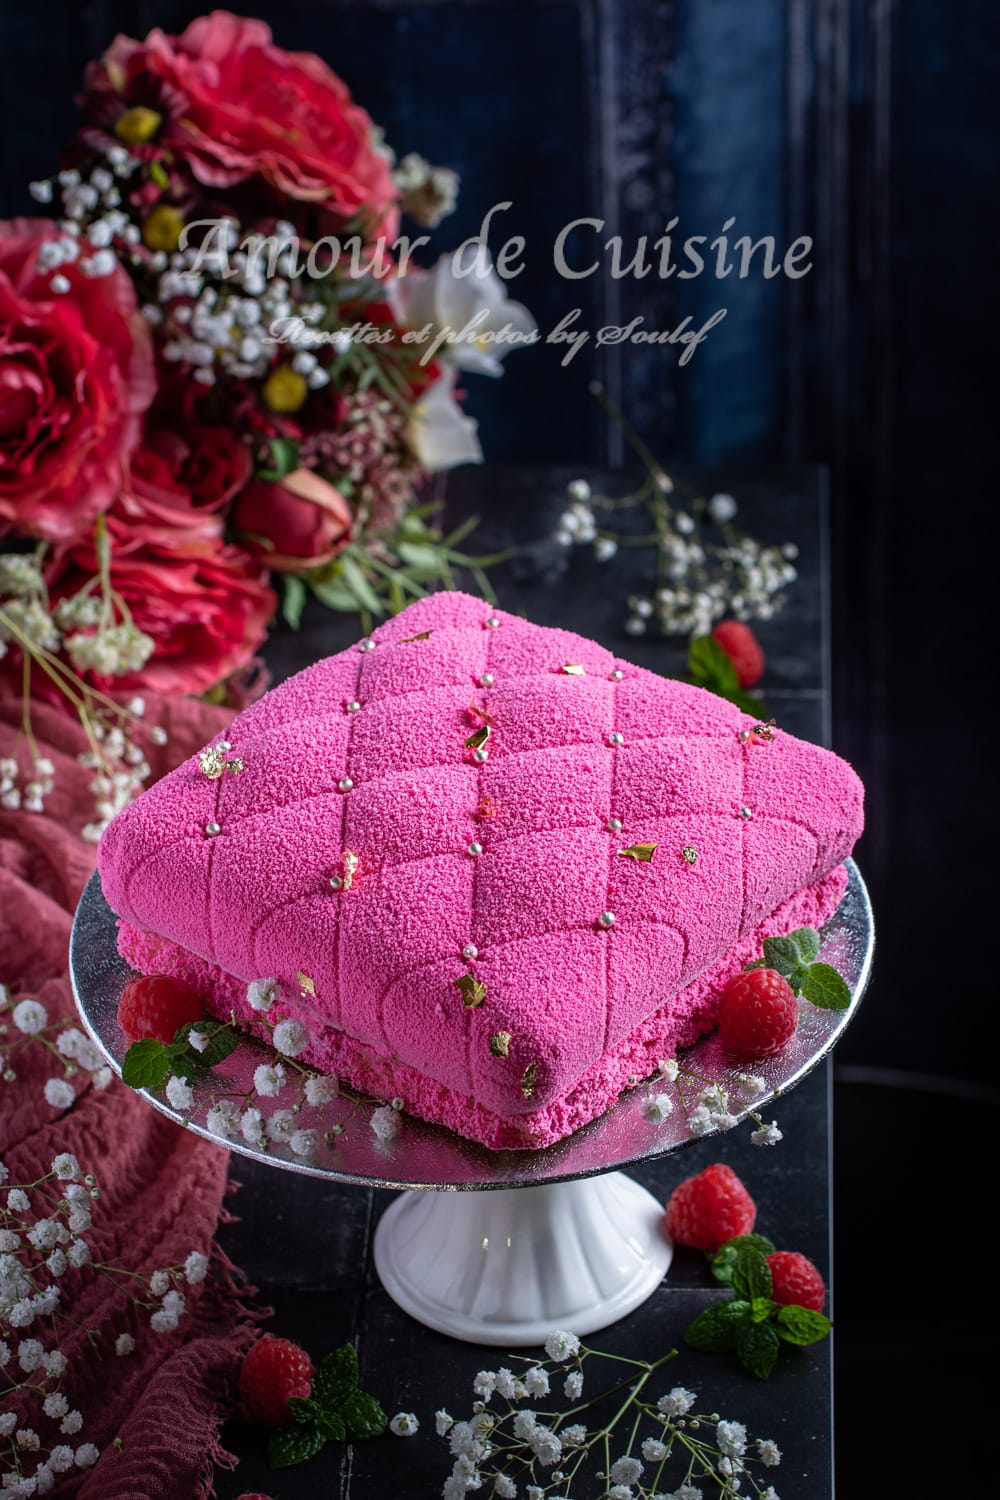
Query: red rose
point(232, 105)
point(76, 373)
point(293, 524)
point(206, 611)
point(176, 485)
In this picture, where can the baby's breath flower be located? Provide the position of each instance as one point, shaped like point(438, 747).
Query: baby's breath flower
point(291, 1037)
point(59, 1094)
point(731, 1438)
point(281, 1125)
point(29, 1355)
point(66, 1167)
point(677, 1402)
point(199, 1040)
point(536, 1381)
point(261, 993)
point(625, 1470)
point(86, 1456)
point(61, 1458)
point(751, 1084)
point(223, 1118)
point(768, 1452)
point(385, 1122)
point(163, 1321)
point(561, 1345)
point(55, 1404)
point(252, 1127)
point(124, 1344)
point(573, 1385)
point(17, 1201)
point(180, 1094)
point(30, 1017)
point(668, 1068)
point(484, 1384)
point(71, 1422)
point(404, 1424)
point(8, 1421)
point(653, 1450)
point(159, 1283)
point(656, 1108)
point(269, 1079)
point(304, 1142)
point(700, 1120)
point(442, 1421)
point(321, 1089)
point(767, 1135)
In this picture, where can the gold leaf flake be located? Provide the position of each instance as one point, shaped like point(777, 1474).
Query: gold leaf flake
point(305, 984)
point(481, 713)
point(528, 1080)
point(764, 732)
point(424, 635)
point(478, 737)
point(473, 991)
point(573, 669)
point(689, 853)
point(643, 853)
point(500, 1044)
point(487, 809)
point(235, 765)
point(211, 763)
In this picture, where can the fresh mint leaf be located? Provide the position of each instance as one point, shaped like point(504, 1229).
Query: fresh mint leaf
point(807, 939)
point(757, 1348)
point(146, 1064)
point(724, 1260)
point(782, 953)
point(363, 1417)
point(294, 1444)
point(758, 963)
point(332, 1425)
point(800, 1325)
point(751, 1274)
point(717, 1329)
point(823, 986)
point(748, 703)
point(762, 1308)
point(335, 1378)
point(222, 1040)
point(183, 1067)
point(711, 668)
point(303, 1409)
point(293, 600)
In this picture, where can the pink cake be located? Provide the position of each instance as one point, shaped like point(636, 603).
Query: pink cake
point(425, 847)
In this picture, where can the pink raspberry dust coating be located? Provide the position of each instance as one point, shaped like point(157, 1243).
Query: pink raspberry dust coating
point(366, 844)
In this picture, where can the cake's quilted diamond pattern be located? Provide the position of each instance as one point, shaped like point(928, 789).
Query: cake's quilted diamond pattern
point(256, 900)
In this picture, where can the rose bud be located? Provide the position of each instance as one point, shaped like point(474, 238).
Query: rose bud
point(294, 524)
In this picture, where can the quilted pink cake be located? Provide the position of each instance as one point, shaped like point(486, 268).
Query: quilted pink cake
point(431, 847)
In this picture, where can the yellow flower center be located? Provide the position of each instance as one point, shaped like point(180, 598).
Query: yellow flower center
point(285, 389)
point(138, 125)
point(162, 229)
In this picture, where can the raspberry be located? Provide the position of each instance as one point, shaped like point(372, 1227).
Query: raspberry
point(758, 1013)
point(154, 1005)
point(273, 1370)
point(794, 1278)
point(743, 649)
point(707, 1210)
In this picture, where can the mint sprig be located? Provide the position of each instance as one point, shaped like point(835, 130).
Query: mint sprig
point(149, 1063)
point(709, 667)
point(336, 1410)
point(794, 958)
point(749, 1323)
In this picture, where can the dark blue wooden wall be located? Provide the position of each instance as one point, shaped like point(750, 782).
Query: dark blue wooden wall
point(867, 124)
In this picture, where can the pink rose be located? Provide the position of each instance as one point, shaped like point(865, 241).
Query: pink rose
point(178, 482)
point(207, 612)
point(232, 105)
point(293, 524)
point(76, 374)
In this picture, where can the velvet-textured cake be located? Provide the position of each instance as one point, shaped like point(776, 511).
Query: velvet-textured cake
point(494, 870)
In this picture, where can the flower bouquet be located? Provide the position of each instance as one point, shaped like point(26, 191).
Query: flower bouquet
point(221, 379)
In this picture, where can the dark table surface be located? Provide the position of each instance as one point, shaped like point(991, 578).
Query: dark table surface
point(307, 1243)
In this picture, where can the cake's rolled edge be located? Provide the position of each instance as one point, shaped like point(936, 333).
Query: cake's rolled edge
point(677, 1024)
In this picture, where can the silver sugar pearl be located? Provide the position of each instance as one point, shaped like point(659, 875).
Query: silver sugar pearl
point(212, 829)
point(744, 736)
point(223, 745)
point(486, 680)
point(492, 622)
point(616, 675)
point(470, 951)
point(336, 882)
point(354, 707)
point(614, 825)
point(481, 754)
point(746, 812)
point(345, 784)
point(616, 738)
point(606, 919)
point(474, 849)
point(366, 645)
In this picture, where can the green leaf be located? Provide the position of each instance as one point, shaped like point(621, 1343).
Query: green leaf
point(807, 939)
point(751, 1274)
point(284, 457)
point(757, 1348)
point(303, 1409)
point(782, 953)
point(363, 1417)
point(332, 1425)
point(158, 173)
point(717, 1329)
point(823, 986)
point(355, 580)
point(419, 556)
point(724, 1260)
point(335, 1378)
point(293, 600)
point(222, 1040)
point(762, 1308)
point(748, 703)
point(183, 1067)
point(293, 1444)
point(146, 1064)
point(335, 596)
point(711, 667)
point(800, 1325)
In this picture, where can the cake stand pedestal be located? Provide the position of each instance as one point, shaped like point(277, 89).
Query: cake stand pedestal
point(512, 1243)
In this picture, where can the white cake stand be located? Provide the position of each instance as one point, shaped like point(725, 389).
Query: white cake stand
point(512, 1243)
